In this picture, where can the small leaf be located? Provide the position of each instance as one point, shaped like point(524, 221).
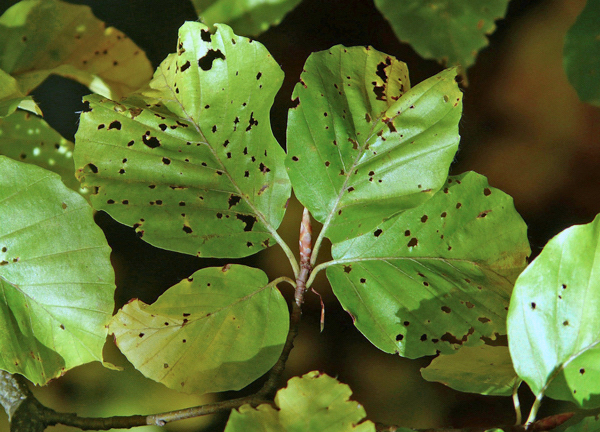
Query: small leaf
point(28, 138)
point(218, 330)
point(553, 321)
point(12, 98)
point(437, 276)
point(314, 402)
point(43, 37)
point(581, 56)
point(246, 17)
point(198, 170)
point(449, 31)
point(484, 369)
point(362, 147)
point(56, 280)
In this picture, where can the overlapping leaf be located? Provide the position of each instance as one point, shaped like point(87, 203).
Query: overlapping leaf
point(12, 98)
point(43, 37)
point(218, 330)
point(56, 280)
point(361, 146)
point(28, 138)
point(485, 369)
point(582, 53)
point(553, 321)
point(437, 276)
point(246, 17)
point(313, 402)
point(191, 161)
point(450, 31)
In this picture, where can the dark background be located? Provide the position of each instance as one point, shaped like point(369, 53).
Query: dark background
point(523, 127)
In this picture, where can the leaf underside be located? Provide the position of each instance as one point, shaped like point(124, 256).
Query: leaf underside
point(362, 145)
point(553, 321)
point(218, 330)
point(191, 161)
point(56, 280)
point(438, 276)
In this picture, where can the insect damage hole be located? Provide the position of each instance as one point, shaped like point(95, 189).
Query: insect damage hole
point(248, 220)
point(206, 62)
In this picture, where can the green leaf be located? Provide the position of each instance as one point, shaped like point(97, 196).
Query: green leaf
point(28, 138)
point(581, 55)
point(196, 171)
point(246, 17)
point(362, 147)
point(314, 402)
point(484, 369)
point(56, 280)
point(218, 330)
point(449, 31)
point(437, 276)
point(588, 424)
point(553, 321)
point(12, 98)
point(43, 37)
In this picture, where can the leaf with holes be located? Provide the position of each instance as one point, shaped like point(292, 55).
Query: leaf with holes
point(581, 55)
point(56, 280)
point(484, 369)
point(198, 170)
point(313, 402)
point(438, 276)
point(553, 321)
point(73, 44)
point(28, 138)
point(246, 17)
point(12, 98)
point(362, 147)
point(449, 31)
point(218, 330)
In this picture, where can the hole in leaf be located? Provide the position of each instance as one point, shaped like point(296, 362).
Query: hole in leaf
point(205, 35)
point(206, 62)
point(362, 280)
point(377, 232)
point(115, 125)
point(150, 141)
point(533, 305)
point(234, 200)
point(185, 66)
point(187, 229)
point(483, 320)
point(347, 269)
point(424, 218)
point(252, 122)
point(93, 168)
point(413, 242)
point(446, 309)
point(295, 158)
point(487, 192)
point(399, 337)
point(166, 161)
point(423, 337)
point(483, 214)
point(248, 220)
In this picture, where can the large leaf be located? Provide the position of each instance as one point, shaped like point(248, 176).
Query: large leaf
point(314, 402)
point(449, 31)
point(437, 276)
point(197, 170)
point(582, 53)
point(56, 280)
point(28, 138)
point(485, 369)
point(12, 98)
point(361, 145)
point(553, 321)
point(246, 17)
point(218, 330)
point(43, 37)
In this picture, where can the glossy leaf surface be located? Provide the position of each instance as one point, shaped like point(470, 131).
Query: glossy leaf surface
point(553, 321)
point(582, 53)
point(313, 402)
point(56, 280)
point(28, 138)
point(483, 369)
point(73, 44)
point(246, 17)
point(449, 31)
point(218, 330)
point(191, 161)
point(362, 147)
point(435, 277)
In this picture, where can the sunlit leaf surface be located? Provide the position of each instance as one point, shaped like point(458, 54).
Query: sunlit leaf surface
point(449, 31)
point(437, 276)
point(484, 369)
point(191, 161)
point(362, 147)
point(218, 330)
point(43, 37)
point(313, 402)
point(246, 17)
point(56, 281)
point(553, 321)
point(11, 96)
